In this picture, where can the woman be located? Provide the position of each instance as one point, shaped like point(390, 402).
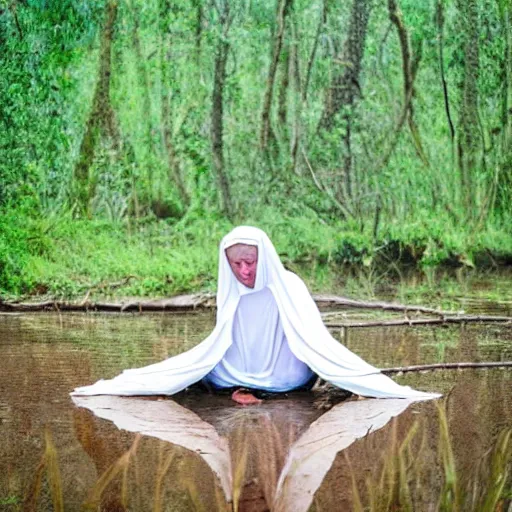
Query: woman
point(269, 335)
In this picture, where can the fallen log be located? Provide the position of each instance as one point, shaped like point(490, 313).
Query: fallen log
point(322, 386)
point(178, 303)
point(446, 366)
point(334, 300)
point(194, 301)
point(452, 319)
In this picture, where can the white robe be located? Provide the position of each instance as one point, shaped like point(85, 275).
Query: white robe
point(307, 337)
point(259, 356)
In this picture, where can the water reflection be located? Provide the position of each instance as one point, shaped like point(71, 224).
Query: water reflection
point(259, 462)
point(45, 356)
point(166, 420)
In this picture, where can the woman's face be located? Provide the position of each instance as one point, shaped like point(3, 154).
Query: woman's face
point(243, 260)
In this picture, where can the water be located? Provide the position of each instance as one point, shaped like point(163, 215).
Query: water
point(196, 450)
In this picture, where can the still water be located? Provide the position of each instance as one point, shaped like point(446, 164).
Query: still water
point(201, 452)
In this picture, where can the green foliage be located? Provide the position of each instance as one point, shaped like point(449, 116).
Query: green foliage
point(409, 210)
point(21, 237)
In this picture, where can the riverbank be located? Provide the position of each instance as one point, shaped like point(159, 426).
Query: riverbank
point(65, 258)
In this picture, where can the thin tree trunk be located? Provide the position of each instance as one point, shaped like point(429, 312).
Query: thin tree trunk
point(217, 115)
point(312, 55)
point(198, 30)
point(173, 163)
point(409, 69)
point(446, 97)
point(297, 86)
point(146, 97)
point(459, 319)
point(102, 120)
point(345, 88)
point(282, 11)
point(469, 133)
point(446, 366)
point(14, 12)
point(282, 110)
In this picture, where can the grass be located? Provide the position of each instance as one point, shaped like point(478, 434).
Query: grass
point(10, 500)
point(67, 258)
point(396, 486)
point(48, 466)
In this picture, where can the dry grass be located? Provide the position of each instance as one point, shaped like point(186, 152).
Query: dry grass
point(262, 451)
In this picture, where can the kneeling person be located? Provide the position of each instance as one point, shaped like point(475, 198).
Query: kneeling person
point(268, 335)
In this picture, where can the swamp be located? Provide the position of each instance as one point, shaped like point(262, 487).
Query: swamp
point(370, 139)
point(300, 451)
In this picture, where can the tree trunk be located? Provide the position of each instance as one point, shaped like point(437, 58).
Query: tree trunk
point(102, 121)
point(198, 30)
point(282, 11)
point(440, 27)
point(298, 99)
point(469, 133)
point(173, 163)
point(217, 116)
point(504, 178)
point(409, 69)
point(146, 97)
point(282, 111)
point(311, 60)
point(345, 88)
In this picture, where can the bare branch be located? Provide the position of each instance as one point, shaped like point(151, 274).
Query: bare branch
point(462, 319)
point(387, 306)
point(446, 366)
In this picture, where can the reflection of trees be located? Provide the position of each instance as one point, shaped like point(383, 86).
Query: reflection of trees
point(413, 463)
point(37, 375)
point(33, 379)
point(266, 460)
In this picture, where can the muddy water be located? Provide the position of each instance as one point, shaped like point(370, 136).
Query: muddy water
point(199, 452)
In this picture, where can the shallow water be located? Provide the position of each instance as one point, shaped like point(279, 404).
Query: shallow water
point(197, 452)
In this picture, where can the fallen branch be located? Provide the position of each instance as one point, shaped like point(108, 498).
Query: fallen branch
point(179, 303)
point(322, 386)
point(460, 319)
point(387, 306)
point(207, 301)
point(446, 366)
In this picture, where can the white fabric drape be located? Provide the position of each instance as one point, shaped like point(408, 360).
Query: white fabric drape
point(259, 356)
point(307, 337)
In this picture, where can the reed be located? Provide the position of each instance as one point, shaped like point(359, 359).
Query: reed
point(239, 467)
point(500, 471)
point(399, 484)
point(48, 465)
point(119, 467)
point(406, 479)
point(161, 472)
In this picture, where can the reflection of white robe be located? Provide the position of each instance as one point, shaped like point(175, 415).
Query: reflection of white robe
point(259, 356)
point(308, 338)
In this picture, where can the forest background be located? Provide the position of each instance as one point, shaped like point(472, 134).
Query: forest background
point(368, 135)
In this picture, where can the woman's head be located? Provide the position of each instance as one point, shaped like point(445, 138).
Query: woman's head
point(243, 260)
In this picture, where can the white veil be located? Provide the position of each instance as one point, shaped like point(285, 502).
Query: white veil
point(307, 336)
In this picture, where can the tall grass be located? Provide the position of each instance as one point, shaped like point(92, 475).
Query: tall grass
point(399, 484)
point(400, 481)
point(119, 468)
point(49, 467)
